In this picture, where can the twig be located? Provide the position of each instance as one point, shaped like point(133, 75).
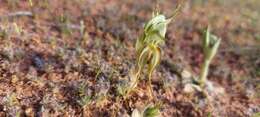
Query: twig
point(20, 13)
point(17, 14)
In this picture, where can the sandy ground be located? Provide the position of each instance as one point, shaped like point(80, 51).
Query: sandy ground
point(62, 58)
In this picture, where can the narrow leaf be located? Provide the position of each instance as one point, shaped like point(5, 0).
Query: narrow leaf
point(155, 59)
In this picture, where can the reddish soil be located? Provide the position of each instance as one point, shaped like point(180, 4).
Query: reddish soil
point(52, 51)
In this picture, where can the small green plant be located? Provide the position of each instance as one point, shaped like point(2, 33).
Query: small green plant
point(148, 47)
point(148, 111)
point(122, 89)
point(210, 47)
point(84, 99)
point(63, 24)
point(17, 29)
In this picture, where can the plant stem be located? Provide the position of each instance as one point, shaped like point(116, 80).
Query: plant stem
point(150, 85)
point(204, 72)
point(136, 75)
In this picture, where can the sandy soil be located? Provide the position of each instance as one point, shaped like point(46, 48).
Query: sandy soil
point(62, 58)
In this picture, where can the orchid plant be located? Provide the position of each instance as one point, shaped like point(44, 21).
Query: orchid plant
point(148, 47)
point(210, 46)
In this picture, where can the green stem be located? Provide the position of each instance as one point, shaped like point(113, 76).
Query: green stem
point(204, 72)
point(150, 85)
